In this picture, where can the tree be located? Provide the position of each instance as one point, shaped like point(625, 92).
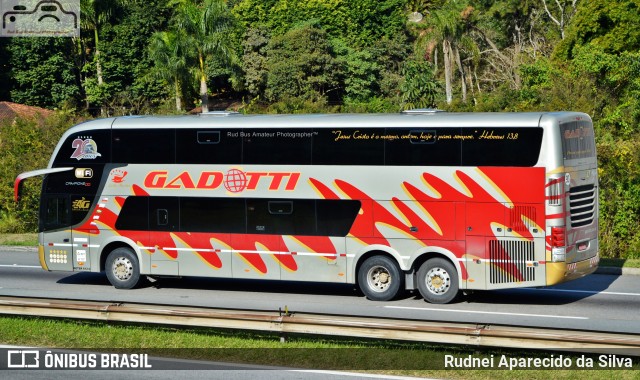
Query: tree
point(301, 64)
point(611, 25)
point(448, 25)
point(170, 61)
point(565, 9)
point(419, 88)
point(254, 60)
point(206, 26)
point(357, 22)
point(95, 14)
point(5, 69)
point(43, 71)
point(125, 59)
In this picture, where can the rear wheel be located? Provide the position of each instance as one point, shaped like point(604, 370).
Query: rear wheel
point(379, 278)
point(438, 281)
point(123, 268)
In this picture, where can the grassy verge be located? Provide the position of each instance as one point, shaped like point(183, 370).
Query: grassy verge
point(620, 263)
point(19, 239)
point(409, 359)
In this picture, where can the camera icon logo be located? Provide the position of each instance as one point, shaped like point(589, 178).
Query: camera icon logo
point(43, 18)
point(23, 359)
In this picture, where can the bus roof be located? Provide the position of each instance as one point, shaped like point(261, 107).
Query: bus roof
point(413, 119)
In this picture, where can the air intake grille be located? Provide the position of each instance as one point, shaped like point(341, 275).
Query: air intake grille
point(582, 201)
point(509, 260)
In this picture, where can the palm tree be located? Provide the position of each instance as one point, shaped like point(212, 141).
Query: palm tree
point(206, 25)
point(168, 54)
point(96, 13)
point(449, 26)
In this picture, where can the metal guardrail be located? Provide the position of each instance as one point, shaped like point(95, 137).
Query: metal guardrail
point(338, 325)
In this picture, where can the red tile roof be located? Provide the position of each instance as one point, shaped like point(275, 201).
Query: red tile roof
point(10, 111)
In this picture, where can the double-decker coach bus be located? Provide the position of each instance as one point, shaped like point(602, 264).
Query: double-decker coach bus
point(435, 201)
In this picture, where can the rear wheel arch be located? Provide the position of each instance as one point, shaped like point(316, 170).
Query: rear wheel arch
point(112, 246)
point(437, 278)
point(418, 259)
point(122, 267)
point(379, 275)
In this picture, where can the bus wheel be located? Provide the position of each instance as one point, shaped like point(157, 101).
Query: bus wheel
point(379, 278)
point(123, 269)
point(438, 281)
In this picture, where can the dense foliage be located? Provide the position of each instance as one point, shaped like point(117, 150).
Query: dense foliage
point(170, 56)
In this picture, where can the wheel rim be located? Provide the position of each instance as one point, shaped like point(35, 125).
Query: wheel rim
point(122, 268)
point(438, 281)
point(379, 279)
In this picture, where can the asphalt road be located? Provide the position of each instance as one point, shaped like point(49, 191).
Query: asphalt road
point(596, 302)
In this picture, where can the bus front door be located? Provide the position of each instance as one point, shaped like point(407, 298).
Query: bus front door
point(55, 222)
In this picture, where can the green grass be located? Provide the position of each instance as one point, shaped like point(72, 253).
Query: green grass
point(620, 263)
point(389, 357)
point(30, 239)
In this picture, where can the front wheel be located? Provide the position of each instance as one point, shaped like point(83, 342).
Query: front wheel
point(379, 278)
point(438, 281)
point(123, 269)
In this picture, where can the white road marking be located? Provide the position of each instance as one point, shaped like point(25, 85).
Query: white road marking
point(19, 266)
point(585, 292)
point(484, 312)
point(354, 374)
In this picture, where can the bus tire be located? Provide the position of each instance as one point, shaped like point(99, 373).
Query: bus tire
point(438, 281)
point(123, 268)
point(379, 278)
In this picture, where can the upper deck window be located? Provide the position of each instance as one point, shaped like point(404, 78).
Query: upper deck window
point(86, 147)
point(451, 146)
point(144, 146)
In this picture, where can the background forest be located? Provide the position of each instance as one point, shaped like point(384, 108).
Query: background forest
point(299, 56)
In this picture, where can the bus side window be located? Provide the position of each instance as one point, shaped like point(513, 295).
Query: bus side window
point(347, 146)
point(208, 137)
point(283, 217)
point(165, 213)
point(335, 217)
point(144, 146)
point(275, 146)
point(422, 147)
point(194, 146)
point(56, 213)
point(280, 207)
point(134, 214)
point(163, 217)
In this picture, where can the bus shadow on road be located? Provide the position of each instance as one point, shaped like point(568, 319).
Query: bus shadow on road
point(221, 284)
point(231, 285)
point(257, 286)
point(557, 295)
point(562, 294)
